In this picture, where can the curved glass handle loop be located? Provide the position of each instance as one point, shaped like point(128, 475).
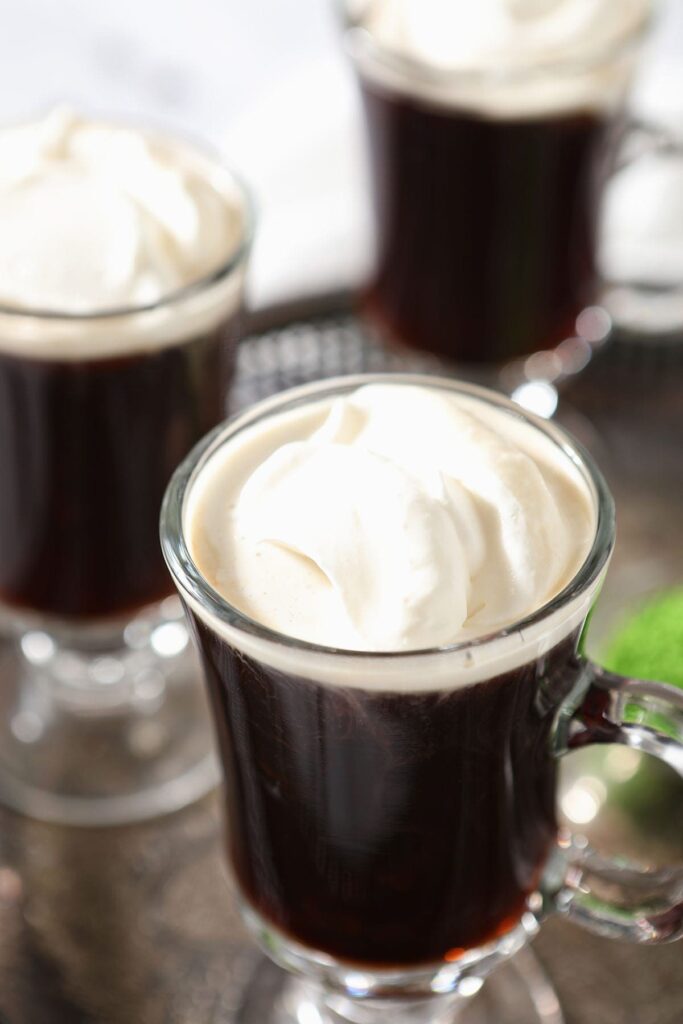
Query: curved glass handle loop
point(638, 279)
point(607, 895)
point(637, 138)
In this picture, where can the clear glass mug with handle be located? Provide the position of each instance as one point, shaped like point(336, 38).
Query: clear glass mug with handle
point(641, 234)
point(102, 717)
point(391, 817)
point(489, 132)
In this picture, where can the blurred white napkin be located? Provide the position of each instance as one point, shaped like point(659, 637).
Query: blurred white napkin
point(301, 148)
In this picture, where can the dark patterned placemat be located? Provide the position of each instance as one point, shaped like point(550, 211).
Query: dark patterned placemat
point(329, 345)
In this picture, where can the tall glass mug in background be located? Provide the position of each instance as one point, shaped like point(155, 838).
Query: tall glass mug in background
point(391, 824)
point(487, 124)
point(122, 261)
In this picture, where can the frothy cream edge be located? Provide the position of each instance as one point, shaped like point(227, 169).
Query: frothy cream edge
point(407, 673)
point(598, 92)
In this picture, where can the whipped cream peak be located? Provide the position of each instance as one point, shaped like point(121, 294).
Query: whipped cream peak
point(514, 503)
point(395, 518)
point(96, 216)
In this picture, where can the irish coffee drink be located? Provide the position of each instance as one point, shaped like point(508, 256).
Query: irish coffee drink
point(387, 577)
point(122, 262)
point(487, 127)
point(97, 405)
point(389, 812)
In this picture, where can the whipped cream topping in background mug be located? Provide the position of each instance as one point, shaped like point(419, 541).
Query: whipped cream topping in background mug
point(450, 35)
point(542, 57)
point(98, 218)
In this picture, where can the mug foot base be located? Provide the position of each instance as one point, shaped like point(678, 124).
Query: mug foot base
point(97, 738)
point(518, 991)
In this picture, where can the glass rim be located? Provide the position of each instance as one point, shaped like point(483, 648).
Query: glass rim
point(190, 581)
point(362, 45)
point(223, 270)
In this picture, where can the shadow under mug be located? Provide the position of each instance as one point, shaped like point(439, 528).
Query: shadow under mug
point(486, 186)
point(391, 817)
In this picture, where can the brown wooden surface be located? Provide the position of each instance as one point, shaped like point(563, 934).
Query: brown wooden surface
point(137, 925)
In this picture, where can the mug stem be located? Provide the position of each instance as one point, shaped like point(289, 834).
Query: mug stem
point(603, 894)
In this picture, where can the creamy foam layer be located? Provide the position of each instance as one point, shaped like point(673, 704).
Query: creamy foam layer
point(540, 56)
point(393, 519)
point(96, 217)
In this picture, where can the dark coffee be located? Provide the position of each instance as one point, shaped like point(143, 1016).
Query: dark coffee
point(485, 227)
point(387, 829)
point(86, 450)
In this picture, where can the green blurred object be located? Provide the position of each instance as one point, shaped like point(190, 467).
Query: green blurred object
point(649, 644)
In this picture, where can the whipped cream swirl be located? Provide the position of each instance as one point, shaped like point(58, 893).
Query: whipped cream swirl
point(397, 518)
point(96, 217)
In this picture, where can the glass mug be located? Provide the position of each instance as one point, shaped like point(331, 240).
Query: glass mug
point(485, 186)
point(393, 844)
point(102, 720)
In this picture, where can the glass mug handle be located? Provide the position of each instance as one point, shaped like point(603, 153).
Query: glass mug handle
point(637, 138)
point(647, 717)
point(641, 294)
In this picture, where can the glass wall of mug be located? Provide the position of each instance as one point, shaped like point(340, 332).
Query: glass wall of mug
point(487, 128)
point(102, 717)
point(391, 826)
